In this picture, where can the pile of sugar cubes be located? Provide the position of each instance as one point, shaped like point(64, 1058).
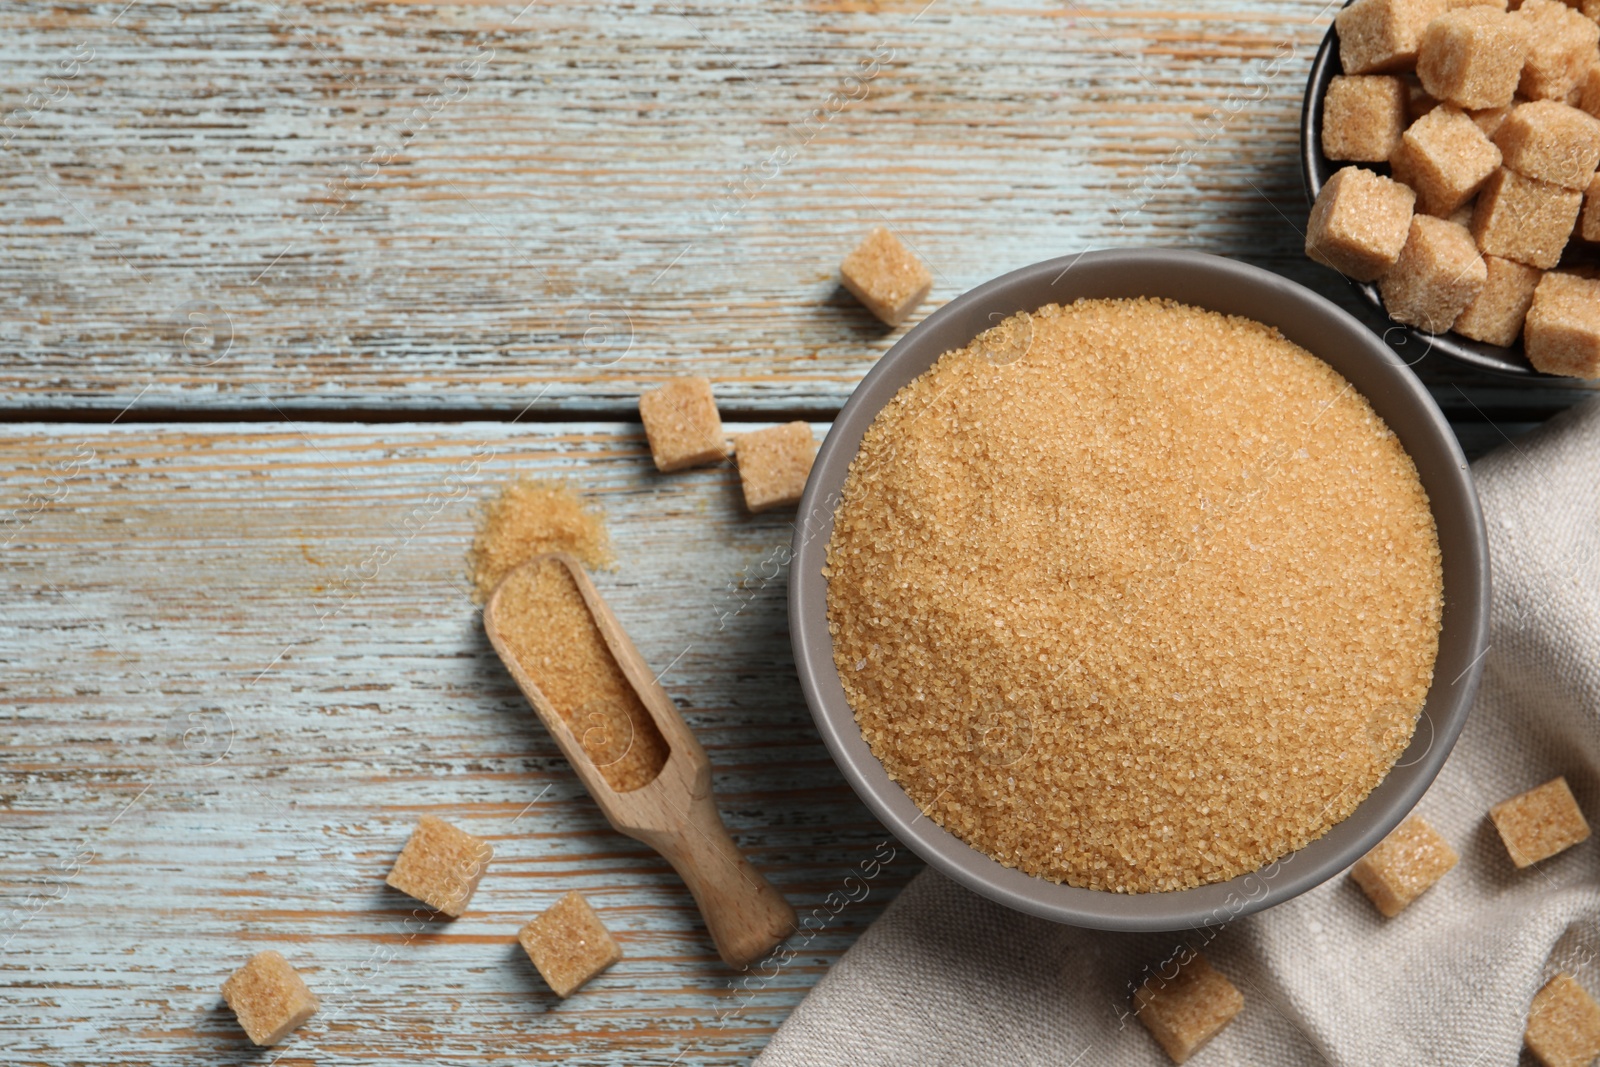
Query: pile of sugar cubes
point(1186, 1002)
point(1489, 122)
point(441, 866)
point(681, 419)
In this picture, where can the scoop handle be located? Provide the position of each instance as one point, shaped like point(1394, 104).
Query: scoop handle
point(745, 915)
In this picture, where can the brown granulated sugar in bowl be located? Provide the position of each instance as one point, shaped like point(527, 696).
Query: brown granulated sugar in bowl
point(528, 518)
point(1148, 607)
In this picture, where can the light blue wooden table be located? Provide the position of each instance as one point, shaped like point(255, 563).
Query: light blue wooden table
point(271, 273)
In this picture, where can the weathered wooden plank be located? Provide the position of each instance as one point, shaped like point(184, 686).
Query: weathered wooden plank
point(241, 206)
point(240, 662)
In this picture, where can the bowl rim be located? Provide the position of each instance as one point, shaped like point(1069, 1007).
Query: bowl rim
point(1452, 498)
point(1316, 169)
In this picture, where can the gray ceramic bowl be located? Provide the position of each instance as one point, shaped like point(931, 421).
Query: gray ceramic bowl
point(1310, 321)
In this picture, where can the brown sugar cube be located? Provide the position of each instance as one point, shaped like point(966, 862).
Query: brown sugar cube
point(1439, 273)
point(1562, 336)
point(1359, 223)
point(1543, 821)
point(1363, 116)
point(1184, 1012)
point(1499, 5)
point(1563, 1024)
point(1446, 158)
point(569, 944)
point(681, 422)
point(885, 276)
point(1589, 91)
point(1472, 57)
point(269, 997)
point(1495, 317)
point(1561, 49)
point(1378, 36)
point(1550, 141)
point(1489, 119)
point(1589, 224)
point(774, 465)
point(1403, 865)
point(1525, 219)
point(441, 866)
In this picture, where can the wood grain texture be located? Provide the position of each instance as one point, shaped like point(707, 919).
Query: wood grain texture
point(431, 208)
point(296, 605)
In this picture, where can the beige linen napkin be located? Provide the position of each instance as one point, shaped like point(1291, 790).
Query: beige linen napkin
point(946, 977)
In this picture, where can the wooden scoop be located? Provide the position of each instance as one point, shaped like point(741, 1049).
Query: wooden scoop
point(675, 812)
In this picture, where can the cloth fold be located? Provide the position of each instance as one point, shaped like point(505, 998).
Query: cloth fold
point(947, 977)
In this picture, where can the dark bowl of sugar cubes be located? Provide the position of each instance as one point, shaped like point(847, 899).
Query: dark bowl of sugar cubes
point(1450, 153)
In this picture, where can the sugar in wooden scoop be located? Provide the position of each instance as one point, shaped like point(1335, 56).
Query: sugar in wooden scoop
point(545, 622)
point(1134, 596)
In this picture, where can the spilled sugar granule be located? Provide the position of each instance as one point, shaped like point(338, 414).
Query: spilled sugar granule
point(530, 517)
point(1134, 596)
